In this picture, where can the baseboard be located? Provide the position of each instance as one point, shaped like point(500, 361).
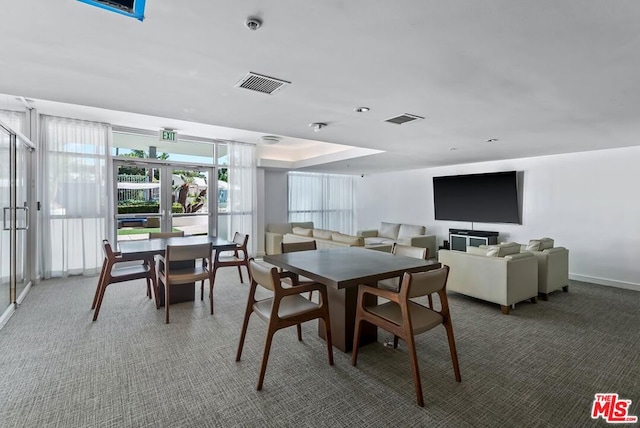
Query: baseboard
point(605, 281)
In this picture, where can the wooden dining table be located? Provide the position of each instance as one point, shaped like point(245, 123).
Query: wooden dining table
point(341, 270)
point(145, 248)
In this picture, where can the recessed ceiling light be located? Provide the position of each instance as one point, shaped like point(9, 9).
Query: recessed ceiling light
point(453, 149)
point(269, 139)
point(361, 109)
point(317, 126)
point(491, 140)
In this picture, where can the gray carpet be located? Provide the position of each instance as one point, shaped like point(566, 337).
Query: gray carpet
point(538, 367)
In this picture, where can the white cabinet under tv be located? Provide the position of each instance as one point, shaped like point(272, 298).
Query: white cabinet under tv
point(460, 239)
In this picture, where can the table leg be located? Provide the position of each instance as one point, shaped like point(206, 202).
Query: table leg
point(342, 309)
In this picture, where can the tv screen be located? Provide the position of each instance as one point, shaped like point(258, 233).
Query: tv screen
point(483, 198)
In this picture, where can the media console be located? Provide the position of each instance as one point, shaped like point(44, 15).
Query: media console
point(460, 239)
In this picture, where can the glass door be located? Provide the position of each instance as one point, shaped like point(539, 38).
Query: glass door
point(15, 155)
point(191, 204)
point(139, 199)
point(161, 197)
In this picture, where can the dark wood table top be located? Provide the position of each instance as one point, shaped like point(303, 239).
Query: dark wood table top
point(349, 266)
point(148, 247)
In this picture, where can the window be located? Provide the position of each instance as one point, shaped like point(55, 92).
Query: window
point(132, 8)
point(325, 199)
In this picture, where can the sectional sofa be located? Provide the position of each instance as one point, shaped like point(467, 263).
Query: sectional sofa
point(405, 234)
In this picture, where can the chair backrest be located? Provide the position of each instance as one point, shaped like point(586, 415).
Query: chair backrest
point(241, 239)
point(188, 252)
point(264, 276)
point(408, 251)
point(292, 247)
point(108, 251)
point(157, 235)
point(424, 283)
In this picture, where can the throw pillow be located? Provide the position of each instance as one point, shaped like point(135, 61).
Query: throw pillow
point(301, 231)
point(408, 230)
point(322, 234)
point(493, 251)
point(534, 245)
point(348, 239)
point(508, 249)
point(389, 230)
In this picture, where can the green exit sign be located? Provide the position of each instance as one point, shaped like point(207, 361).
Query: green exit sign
point(168, 135)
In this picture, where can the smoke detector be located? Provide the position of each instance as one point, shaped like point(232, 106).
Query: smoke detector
point(253, 23)
point(269, 139)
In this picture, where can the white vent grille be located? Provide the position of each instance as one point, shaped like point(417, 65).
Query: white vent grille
point(259, 83)
point(403, 118)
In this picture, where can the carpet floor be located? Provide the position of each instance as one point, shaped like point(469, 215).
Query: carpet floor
point(540, 366)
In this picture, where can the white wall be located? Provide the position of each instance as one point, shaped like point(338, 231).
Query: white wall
point(588, 202)
point(275, 208)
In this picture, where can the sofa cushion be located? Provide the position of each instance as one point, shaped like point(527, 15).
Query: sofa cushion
point(302, 231)
point(546, 243)
point(502, 250)
point(534, 245)
point(388, 230)
point(347, 239)
point(407, 230)
point(322, 233)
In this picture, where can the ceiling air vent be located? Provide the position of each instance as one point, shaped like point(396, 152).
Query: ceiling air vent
point(259, 83)
point(403, 118)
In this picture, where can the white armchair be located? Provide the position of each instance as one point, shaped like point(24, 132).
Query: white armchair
point(553, 265)
point(505, 280)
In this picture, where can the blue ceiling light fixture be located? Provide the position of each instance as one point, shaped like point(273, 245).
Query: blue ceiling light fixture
point(131, 8)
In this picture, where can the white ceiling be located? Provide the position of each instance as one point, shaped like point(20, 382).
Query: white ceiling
point(543, 77)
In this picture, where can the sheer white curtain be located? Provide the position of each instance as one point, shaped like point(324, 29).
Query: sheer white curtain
point(242, 191)
point(76, 195)
point(325, 199)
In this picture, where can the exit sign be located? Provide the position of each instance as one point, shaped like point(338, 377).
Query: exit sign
point(168, 135)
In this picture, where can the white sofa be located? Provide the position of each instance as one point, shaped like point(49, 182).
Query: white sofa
point(505, 276)
point(405, 234)
point(324, 238)
point(553, 265)
point(274, 232)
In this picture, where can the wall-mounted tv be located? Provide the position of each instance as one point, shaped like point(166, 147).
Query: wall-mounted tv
point(482, 198)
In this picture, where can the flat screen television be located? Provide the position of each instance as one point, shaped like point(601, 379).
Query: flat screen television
point(482, 198)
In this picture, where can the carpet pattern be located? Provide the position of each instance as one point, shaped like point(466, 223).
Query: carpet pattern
point(540, 366)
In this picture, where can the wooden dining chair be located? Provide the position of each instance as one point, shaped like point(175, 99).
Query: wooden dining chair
point(198, 272)
point(239, 258)
point(405, 318)
point(292, 247)
point(407, 251)
point(285, 309)
point(114, 270)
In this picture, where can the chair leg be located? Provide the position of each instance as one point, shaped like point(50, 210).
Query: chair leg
point(245, 323)
point(452, 350)
point(327, 335)
point(149, 288)
point(395, 341)
point(103, 286)
point(202, 290)
point(356, 340)
point(265, 355)
point(102, 273)
point(430, 301)
point(299, 330)
point(240, 273)
point(415, 370)
point(154, 284)
point(166, 303)
point(211, 283)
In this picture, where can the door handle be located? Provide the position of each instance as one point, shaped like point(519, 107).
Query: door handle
point(26, 217)
point(4, 218)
